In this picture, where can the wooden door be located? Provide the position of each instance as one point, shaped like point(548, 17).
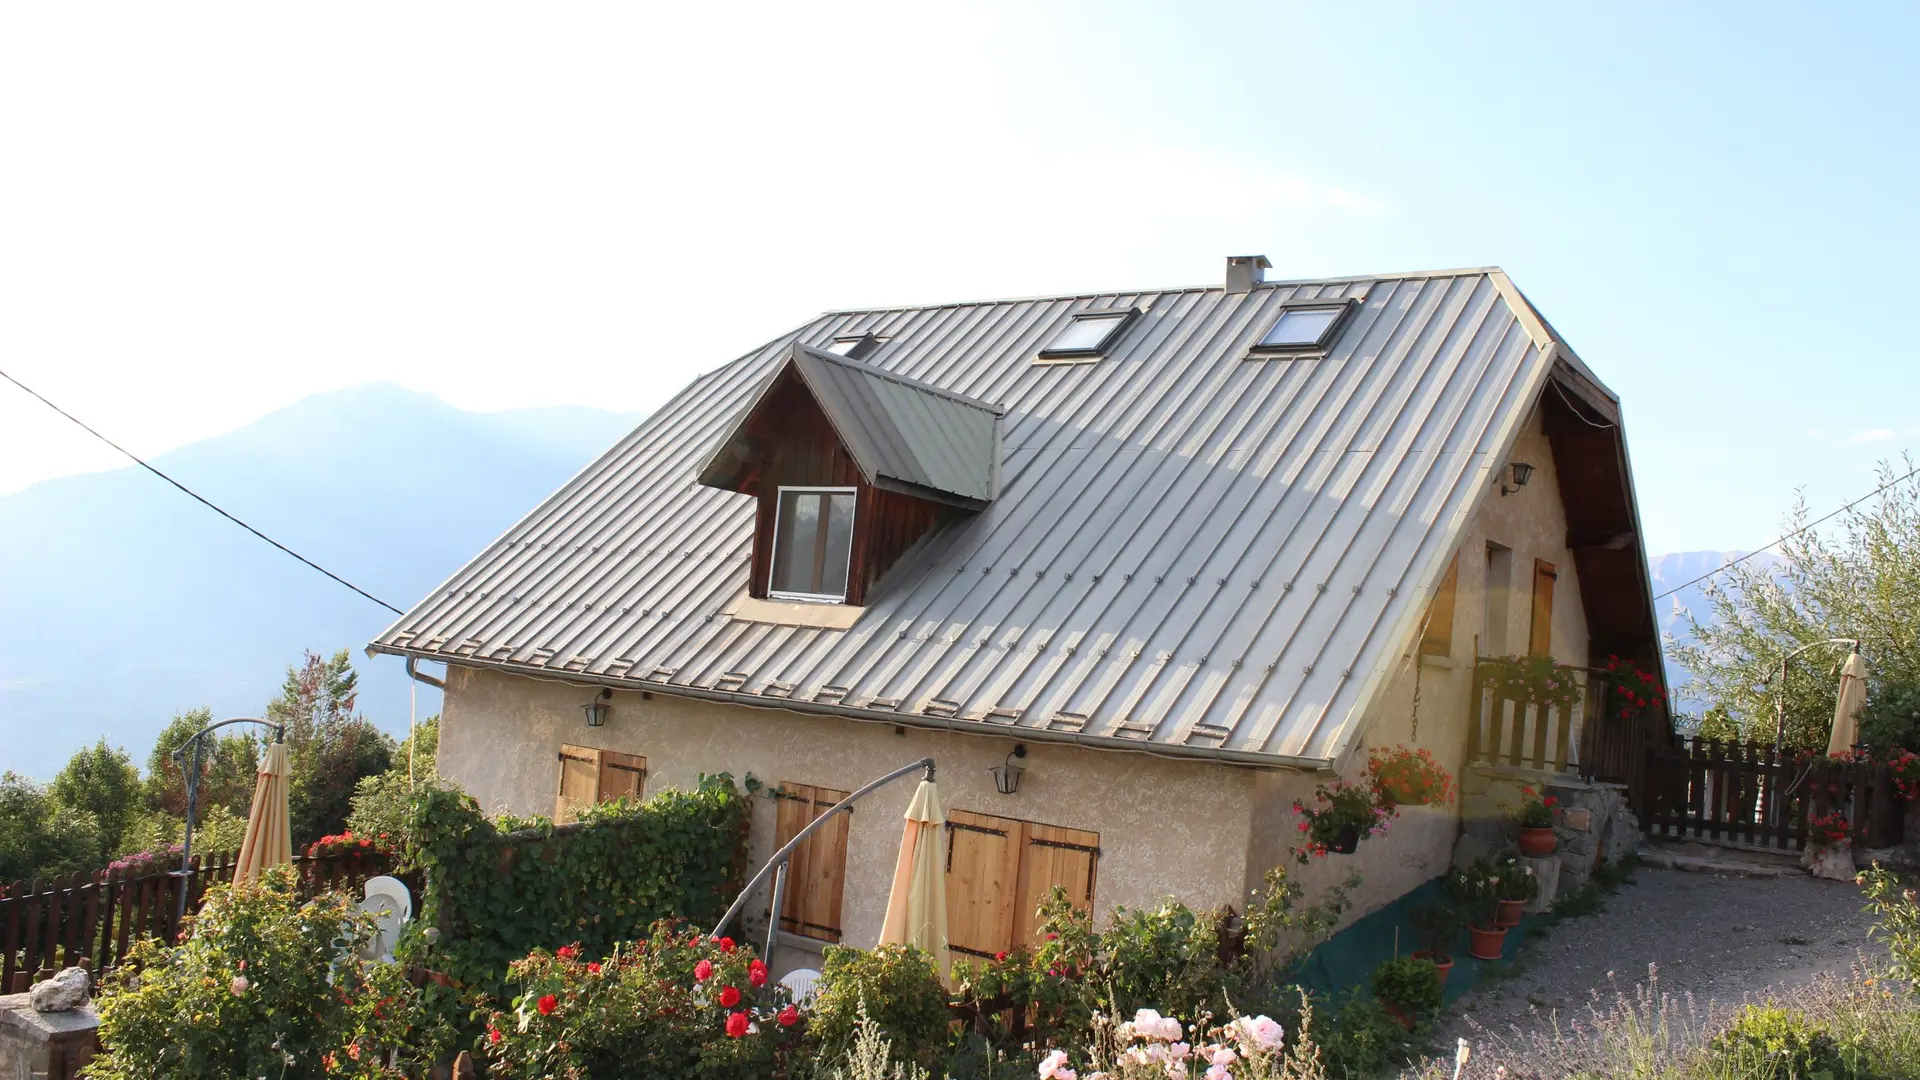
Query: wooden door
point(1053, 856)
point(983, 877)
point(579, 782)
point(817, 870)
point(1540, 641)
point(621, 776)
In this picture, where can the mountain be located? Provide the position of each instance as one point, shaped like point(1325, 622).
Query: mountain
point(123, 601)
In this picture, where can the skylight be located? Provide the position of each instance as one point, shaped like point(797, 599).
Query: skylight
point(1090, 333)
point(1303, 328)
point(853, 348)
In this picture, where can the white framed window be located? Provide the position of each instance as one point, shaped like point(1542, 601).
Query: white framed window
point(1089, 334)
point(812, 544)
point(1305, 327)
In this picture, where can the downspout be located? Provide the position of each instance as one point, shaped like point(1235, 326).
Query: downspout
point(417, 675)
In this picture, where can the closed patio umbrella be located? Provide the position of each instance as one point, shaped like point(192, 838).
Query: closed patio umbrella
point(269, 840)
point(1846, 712)
point(917, 906)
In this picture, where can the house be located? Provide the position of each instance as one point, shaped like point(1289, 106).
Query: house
point(1175, 557)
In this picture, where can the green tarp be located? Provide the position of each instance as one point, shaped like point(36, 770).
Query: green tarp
point(1348, 958)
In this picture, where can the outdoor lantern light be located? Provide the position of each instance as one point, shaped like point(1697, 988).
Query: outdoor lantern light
point(1522, 472)
point(1006, 776)
point(596, 709)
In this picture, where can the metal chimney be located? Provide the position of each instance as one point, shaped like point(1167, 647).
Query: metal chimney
point(1246, 271)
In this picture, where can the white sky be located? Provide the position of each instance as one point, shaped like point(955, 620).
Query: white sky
point(223, 209)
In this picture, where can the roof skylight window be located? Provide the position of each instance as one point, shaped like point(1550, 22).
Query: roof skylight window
point(1090, 333)
point(853, 348)
point(1304, 329)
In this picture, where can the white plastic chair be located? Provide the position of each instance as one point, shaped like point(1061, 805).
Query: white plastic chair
point(801, 982)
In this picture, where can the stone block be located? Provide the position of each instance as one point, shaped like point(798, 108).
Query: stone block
point(1579, 820)
point(52, 1045)
point(1834, 863)
point(62, 993)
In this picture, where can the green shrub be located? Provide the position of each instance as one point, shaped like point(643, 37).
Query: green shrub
point(1360, 1038)
point(264, 985)
point(1407, 983)
point(1895, 905)
point(1438, 925)
point(901, 992)
point(1769, 1041)
point(675, 1004)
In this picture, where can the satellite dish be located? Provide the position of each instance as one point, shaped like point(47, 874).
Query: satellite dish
point(391, 906)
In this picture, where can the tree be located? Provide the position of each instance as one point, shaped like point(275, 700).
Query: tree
point(1860, 581)
point(230, 766)
point(38, 835)
point(102, 782)
point(383, 804)
point(318, 692)
point(331, 748)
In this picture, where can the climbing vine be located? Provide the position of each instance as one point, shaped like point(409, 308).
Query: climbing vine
point(497, 891)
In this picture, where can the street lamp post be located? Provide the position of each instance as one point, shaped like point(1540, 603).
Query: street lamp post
point(190, 774)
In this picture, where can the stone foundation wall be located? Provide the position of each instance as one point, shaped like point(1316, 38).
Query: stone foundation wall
point(45, 1046)
point(1597, 827)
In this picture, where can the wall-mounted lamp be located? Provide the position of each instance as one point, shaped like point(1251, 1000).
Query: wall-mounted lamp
point(1522, 472)
point(598, 708)
point(1006, 776)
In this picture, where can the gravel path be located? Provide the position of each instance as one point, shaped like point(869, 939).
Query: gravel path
point(1721, 937)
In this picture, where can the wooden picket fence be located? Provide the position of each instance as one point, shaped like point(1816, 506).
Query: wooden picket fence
point(1510, 731)
point(93, 919)
point(1750, 794)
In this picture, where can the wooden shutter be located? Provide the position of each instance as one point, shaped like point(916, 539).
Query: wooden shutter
point(622, 776)
point(1053, 856)
point(579, 782)
point(983, 877)
point(1540, 642)
point(1438, 640)
point(817, 870)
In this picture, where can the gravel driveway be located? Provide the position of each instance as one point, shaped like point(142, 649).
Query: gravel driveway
point(1721, 937)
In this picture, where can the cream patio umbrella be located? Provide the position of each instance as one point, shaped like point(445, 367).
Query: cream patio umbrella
point(917, 907)
point(269, 841)
point(1846, 711)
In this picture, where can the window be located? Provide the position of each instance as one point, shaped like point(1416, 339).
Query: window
point(998, 872)
point(854, 348)
point(1438, 639)
point(1540, 641)
point(1499, 599)
point(1304, 329)
point(1091, 333)
point(812, 544)
point(589, 776)
point(817, 870)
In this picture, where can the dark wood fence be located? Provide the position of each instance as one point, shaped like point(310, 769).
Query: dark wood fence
point(1746, 793)
point(93, 919)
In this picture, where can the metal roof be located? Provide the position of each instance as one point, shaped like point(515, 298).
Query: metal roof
point(901, 433)
point(1194, 550)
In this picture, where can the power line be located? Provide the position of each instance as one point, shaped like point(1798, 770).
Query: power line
point(198, 497)
point(1728, 566)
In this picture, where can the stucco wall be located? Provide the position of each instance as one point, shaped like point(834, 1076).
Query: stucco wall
point(1167, 828)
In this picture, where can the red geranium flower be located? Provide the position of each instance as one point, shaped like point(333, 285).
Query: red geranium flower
point(788, 1016)
point(1001, 955)
point(593, 967)
point(547, 1004)
point(729, 996)
point(726, 944)
point(493, 1035)
point(757, 973)
point(703, 971)
point(736, 1025)
point(564, 952)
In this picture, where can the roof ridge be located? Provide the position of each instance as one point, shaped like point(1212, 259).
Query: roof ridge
point(904, 380)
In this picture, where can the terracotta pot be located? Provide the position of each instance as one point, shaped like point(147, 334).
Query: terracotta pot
point(1347, 842)
point(1507, 913)
point(1486, 943)
point(1537, 842)
point(1442, 963)
point(1405, 1018)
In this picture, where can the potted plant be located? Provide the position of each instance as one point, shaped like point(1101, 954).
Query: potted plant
point(1828, 831)
point(1536, 815)
point(1517, 887)
point(1407, 986)
point(1535, 679)
point(1403, 777)
point(1904, 766)
point(1438, 925)
point(1477, 890)
point(1341, 815)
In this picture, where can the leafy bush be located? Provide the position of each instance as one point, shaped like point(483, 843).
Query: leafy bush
point(263, 985)
point(676, 1004)
point(39, 835)
point(1362, 1039)
point(1410, 984)
point(897, 987)
point(1772, 1040)
point(1895, 905)
point(496, 897)
point(1438, 926)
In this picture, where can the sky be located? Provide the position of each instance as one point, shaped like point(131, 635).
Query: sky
point(208, 212)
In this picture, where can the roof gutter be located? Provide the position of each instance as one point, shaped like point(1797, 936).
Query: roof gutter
point(953, 724)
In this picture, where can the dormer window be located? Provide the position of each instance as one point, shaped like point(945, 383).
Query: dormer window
point(812, 544)
point(1305, 328)
point(1090, 334)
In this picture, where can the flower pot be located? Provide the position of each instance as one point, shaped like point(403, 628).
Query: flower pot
point(1538, 842)
point(1507, 913)
point(1442, 963)
point(1346, 842)
point(1395, 1011)
point(1486, 942)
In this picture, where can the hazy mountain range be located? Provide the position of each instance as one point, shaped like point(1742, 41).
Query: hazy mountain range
point(122, 601)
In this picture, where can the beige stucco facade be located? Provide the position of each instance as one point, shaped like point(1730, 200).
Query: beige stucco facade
point(1202, 832)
